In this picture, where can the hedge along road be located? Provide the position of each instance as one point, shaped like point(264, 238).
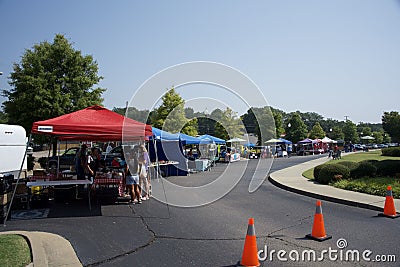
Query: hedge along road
point(153, 234)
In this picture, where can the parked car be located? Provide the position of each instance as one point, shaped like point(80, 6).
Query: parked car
point(382, 146)
point(372, 146)
point(116, 152)
point(359, 147)
point(67, 159)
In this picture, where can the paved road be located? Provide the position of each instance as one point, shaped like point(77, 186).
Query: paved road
point(153, 234)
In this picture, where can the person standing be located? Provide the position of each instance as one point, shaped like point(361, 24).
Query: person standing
point(132, 177)
point(289, 150)
point(82, 163)
point(109, 148)
point(144, 176)
point(245, 153)
point(190, 154)
point(95, 161)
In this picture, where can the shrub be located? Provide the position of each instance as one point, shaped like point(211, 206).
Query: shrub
point(349, 164)
point(372, 161)
point(364, 169)
point(332, 172)
point(388, 167)
point(391, 151)
point(317, 169)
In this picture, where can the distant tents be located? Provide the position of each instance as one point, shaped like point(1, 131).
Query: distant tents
point(213, 138)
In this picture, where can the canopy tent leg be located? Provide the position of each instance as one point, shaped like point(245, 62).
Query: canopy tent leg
point(16, 184)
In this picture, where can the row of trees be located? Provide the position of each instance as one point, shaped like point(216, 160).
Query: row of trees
point(173, 117)
point(53, 79)
point(265, 122)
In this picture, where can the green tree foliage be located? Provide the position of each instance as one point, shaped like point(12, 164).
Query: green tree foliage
point(278, 123)
point(206, 122)
point(316, 132)
point(310, 119)
point(297, 130)
point(386, 138)
point(3, 117)
point(350, 132)
point(378, 137)
point(336, 133)
point(170, 115)
point(261, 122)
point(391, 124)
point(364, 130)
point(249, 121)
point(229, 125)
point(189, 113)
point(134, 113)
point(265, 124)
point(375, 127)
point(52, 79)
point(190, 128)
point(328, 125)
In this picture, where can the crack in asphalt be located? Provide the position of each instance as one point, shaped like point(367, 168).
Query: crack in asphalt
point(154, 237)
point(151, 240)
point(299, 222)
point(281, 238)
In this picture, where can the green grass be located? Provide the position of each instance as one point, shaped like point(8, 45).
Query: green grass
point(309, 174)
point(14, 251)
point(374, 186)
point(371, 155)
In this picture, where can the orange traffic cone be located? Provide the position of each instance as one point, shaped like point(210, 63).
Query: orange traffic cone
point(318, 230)
point(389, 210)
point(250, 251)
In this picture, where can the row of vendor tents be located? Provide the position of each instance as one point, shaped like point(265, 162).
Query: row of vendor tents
point(184, 138)
point(97, 123)
point(305, 141)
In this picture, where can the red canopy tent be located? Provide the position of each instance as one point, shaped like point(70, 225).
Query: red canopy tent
point(94, 123)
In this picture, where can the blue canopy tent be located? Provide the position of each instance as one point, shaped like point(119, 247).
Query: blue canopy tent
point(188, 140)
point(216, 140)
point(249, 145)
point(163, 135)
point(165, 146)
point(286, 142)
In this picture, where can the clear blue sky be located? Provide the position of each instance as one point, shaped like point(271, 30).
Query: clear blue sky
point(337, 58)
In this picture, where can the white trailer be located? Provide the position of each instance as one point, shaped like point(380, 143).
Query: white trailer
point(12, 149)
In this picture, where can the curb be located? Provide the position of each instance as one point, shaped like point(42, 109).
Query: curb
point(48, 249)
point(324, 197)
